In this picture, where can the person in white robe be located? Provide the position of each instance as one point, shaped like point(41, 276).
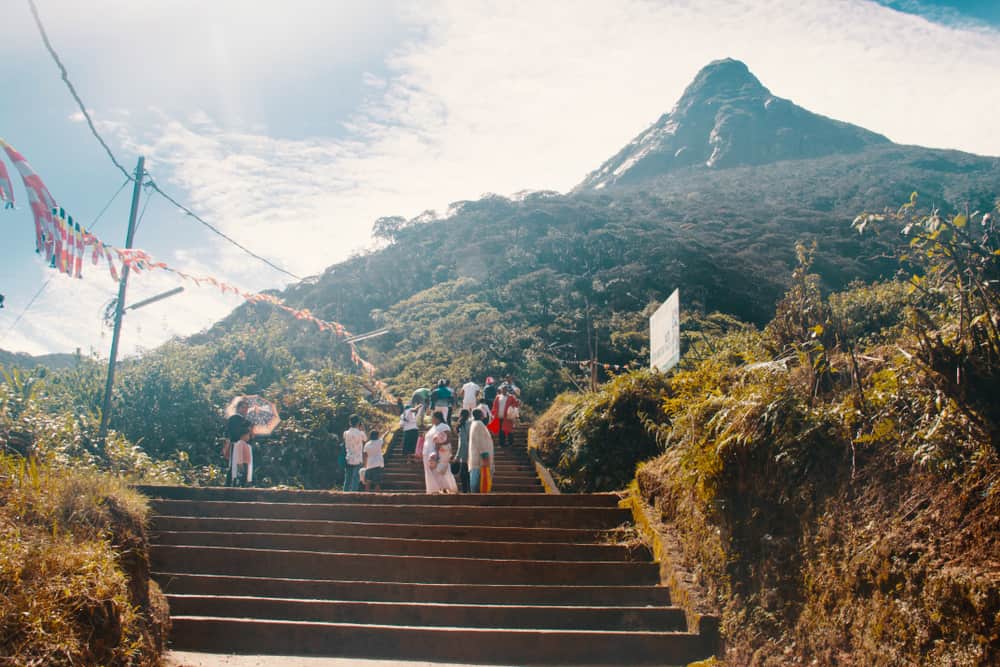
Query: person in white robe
point(437, 457)
point(480, 449)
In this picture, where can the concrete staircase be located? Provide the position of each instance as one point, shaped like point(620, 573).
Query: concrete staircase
point(514, 472)
point(491, 579)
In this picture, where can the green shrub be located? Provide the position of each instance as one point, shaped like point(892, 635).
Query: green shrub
point(831, 480)
point(603, 436)
point(304, 449)
point(545, 429)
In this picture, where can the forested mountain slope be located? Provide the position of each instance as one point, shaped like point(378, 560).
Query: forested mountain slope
point(508, 283)
point(503, 284)
point(22, 360)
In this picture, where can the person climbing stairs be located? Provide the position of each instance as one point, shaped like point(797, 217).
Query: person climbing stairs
point(514, 471)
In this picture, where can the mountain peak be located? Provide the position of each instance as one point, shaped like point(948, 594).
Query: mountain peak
point(727, 118)
point(724, 75)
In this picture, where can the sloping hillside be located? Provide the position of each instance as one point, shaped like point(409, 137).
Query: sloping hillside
point(533, 284)
point(511, 284)
point(517, 285)
point(22, 360)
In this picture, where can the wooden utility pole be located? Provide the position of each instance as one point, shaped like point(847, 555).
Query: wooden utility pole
point(140, 172)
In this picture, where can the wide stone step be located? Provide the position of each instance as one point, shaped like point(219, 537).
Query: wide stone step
point(162, 523)
point(414, 491)
point(382, 591)
point(408, 547)
point(451, 644)
point(650, 619)
point(518, 463)
point(426, 569)
point(410, 488)
point(228, 494)
point(519, 479)
point(498, 470)
point(578, 517)
point(510, 478)
point(500, 487)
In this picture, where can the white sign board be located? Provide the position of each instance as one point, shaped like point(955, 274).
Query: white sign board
point(665, 334)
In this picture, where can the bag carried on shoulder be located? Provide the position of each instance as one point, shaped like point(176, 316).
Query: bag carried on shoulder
point(419, 451)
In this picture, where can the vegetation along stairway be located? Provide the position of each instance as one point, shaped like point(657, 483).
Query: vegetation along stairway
point(499, 578)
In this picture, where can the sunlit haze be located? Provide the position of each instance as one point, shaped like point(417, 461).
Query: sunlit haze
point(294, 125)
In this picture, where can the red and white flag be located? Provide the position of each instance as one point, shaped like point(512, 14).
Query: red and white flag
point(6, 189)
point(40, 200)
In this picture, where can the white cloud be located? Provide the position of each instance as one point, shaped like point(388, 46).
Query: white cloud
point(514, 96)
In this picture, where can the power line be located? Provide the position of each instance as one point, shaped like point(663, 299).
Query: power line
point(108, 205)
point(30, 303)
point(143, 213)
point(111, 155)
point(216, 230)
point(72, 90)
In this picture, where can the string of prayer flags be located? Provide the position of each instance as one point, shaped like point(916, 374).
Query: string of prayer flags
point(65, 243)
point(40, 200)
point(586, 363)
point(6, 189)
point(139, 260)
point(70, 244)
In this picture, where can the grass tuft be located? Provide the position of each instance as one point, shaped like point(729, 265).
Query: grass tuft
point(74, 571)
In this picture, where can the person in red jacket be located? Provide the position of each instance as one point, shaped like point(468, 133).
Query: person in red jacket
point(506, 407)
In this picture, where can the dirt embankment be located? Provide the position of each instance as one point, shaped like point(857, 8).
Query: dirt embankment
point(897, 565)
point(74, 570)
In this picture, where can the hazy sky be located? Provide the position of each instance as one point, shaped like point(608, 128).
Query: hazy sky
point(294, 125)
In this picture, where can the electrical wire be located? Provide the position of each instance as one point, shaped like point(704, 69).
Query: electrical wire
point(142, 214)
point(30, 303)
point(72, 90)
point(108, 205)
point(219, 232)
point(114, 160)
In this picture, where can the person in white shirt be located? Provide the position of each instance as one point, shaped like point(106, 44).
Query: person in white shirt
point(470, 390)
point(373, 462)
point(409, 420)
point(354, 445)
point(241, 456)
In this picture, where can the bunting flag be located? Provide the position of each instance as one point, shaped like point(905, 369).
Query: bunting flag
point(139, 260)
point(40, 200)
point(78, 237)
point(67, 256)
point(65, 244)
point(585, 364)
point(6, 189)
point(57, 234)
